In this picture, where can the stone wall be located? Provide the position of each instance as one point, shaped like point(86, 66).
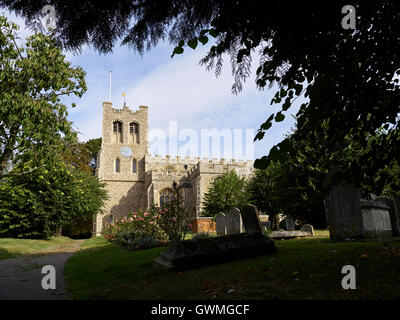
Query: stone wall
point(203, 224)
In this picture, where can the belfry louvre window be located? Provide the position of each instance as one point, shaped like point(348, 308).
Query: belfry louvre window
point(133, 127)
point(166, 196)
point(117, 165)
point(117, 126)
point(134, 132)
point(134, 166)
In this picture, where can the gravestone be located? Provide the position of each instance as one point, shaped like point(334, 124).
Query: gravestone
point(250, 219)
point(234, 222)
point(288, 234)
point(221, 224)
point(308, 228)
point(290, 226)
point(264, 221)
point(394, 218)
point(376, 220)
point(343, 211)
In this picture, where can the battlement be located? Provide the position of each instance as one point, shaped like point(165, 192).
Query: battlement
point(125, 109)
point(196, 160)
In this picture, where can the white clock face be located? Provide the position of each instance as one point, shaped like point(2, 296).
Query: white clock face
point(126, 152)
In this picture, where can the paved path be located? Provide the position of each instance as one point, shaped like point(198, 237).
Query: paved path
point(21, 278)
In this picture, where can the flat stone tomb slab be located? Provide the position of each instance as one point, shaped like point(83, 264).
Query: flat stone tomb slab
point(191, 254)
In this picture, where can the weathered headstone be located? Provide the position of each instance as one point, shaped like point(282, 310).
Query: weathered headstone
point(343, 211)
point(221, 224)
point(376, 220)
point(234, 222)
point(394, 218)
point(290, 226)
point(264, 221)
point(308, 228)
point(250, 219)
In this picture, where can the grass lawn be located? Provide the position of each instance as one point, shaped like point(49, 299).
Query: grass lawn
point(11, 248)
point(301, 269)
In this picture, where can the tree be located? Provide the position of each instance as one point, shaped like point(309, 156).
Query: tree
point(226, 192)
point(38, 204)
point(39, 190)
point(289, 189)
point(93, 146)
point(350, 77)
point(77, 155)
point(83, 155)
point(33, 120)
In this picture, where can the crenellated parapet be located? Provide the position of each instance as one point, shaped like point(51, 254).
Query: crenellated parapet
point(124, 110)
point(185, 166)
point(196, 160)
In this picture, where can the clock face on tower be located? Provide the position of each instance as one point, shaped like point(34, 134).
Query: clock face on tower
point(126, 152)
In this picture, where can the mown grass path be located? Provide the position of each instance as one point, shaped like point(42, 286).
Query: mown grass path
point(21, 277)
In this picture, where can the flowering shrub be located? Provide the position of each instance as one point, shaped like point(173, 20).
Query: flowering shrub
point(150, 227)
point(174, 221)
point(135, 226)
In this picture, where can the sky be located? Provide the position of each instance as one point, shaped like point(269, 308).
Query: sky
point(179, 93)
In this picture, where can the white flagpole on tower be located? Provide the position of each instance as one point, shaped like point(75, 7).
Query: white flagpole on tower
point(109, 89)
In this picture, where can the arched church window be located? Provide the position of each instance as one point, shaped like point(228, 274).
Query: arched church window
point(117, 129)
point(134, 166)
point(134, 131)
point(117, 126)
point(166, 196)
point(117, 165)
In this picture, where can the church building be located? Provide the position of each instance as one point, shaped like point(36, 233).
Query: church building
point(135, 179)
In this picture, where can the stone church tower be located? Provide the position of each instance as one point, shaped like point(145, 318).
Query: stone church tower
point(134, 179)
point(121, 160)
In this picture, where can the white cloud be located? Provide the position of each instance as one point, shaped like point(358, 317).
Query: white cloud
point(182, 89)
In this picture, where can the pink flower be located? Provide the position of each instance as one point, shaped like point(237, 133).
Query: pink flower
point(146, 214)
point(151, 222)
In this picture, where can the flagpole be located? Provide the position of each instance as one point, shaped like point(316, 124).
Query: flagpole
point(109, 89)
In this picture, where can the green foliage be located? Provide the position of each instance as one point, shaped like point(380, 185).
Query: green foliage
point(38, 204)
point(134, 225)
point(93, 146)
point(226, 192)
point(350, 79)
point(146, 242)
point(33, 81)
point(45, 179)
point(262, 188)
point(295, 179)
point(174, 220)
point(83, 155)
